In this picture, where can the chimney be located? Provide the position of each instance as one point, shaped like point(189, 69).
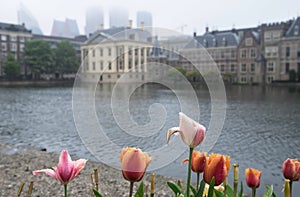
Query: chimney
point(195, 34)
point(130, 24)
point(142, 25)
point(102, 26)
point(206, 29)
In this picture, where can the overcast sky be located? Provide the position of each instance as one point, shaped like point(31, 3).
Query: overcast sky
point(195, 15)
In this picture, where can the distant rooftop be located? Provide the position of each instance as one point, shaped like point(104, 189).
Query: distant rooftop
point(14, 27)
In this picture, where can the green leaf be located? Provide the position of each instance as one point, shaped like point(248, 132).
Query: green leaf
point(218, 193)
point(97, 194)
point(229, 191)
point(273, 195)
point(193, 190)
point(241, 190)
point(201, 189)
point(269, 191)
point(211, 188)
point(174, 187)
point(140, 191)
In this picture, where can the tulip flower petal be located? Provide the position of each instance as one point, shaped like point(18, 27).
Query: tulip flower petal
point(186, 125)
point(172, 131)
point(49, 172)
point(79, 165)
point(65, 166)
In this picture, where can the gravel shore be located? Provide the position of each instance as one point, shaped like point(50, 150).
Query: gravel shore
point(17, 164)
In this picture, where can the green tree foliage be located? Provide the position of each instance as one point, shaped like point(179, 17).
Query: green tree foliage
point(11, 67)
point(39, 56)
point(65, 58)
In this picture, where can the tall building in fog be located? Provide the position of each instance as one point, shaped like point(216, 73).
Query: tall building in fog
point(118, 17)
point(67, 28)
point(94, 20)
point(144, 17)
point(26, 17)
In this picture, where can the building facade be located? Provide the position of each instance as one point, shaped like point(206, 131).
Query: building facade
point(107, 57)
point(12, 39)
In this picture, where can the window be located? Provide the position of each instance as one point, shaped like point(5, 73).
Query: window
point(298, 51)
point(224, 41)
point(109, 51)
point(214, 42)
point(271, 51)
point(136, 52)
point(101, 65)
point(205, 43)
point(248, 41)
point(287, 51)
point(296, 30)
point(93, 52)
point(270, 79)
point(243, 53)
point(13, 47)
point(109, 65)
point(271, 66)
point(243, 68)
point(276, 35)
point(3, 46)
point(222, 54)
point(21, 47)
point(252, 68)
point(101, 52)
point(13, 38)
point(253, 53)
point(232, 68)
point(287, 67)
point(244, 79)
point(232, 54)
point(222, 68)
point(129, 65)
point(94, 66)
point(3, 37)
point(21, 39)
point(267, 36)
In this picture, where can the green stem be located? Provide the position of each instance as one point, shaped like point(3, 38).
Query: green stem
point(189, 173)
point(253, 191)
point(198, 176)
point(131, 188)
point(66, 190)
point(291, 188)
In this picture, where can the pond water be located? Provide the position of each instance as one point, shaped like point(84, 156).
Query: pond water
point(261, 127)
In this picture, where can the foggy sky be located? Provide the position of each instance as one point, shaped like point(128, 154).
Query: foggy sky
point(195, 15)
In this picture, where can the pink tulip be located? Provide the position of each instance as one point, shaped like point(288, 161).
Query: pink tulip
point(191, 132)
point(66, 169)
point(291, 169)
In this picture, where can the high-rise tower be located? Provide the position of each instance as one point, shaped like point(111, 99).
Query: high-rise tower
point(94, 20)
point(26, 17)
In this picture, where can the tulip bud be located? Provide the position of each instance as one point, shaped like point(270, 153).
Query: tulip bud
point(291, 169)
point(216, 166)
point(134, 163)
point(198, 161)
point(252, 177)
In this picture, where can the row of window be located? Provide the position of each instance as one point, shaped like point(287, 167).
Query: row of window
point(288, 52)
point(11, 38)
point(245, 53)
point(121, 51)
point(109, 67)
point(13, 47)
point(244, 79)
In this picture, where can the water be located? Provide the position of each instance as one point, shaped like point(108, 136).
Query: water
point(261, 128)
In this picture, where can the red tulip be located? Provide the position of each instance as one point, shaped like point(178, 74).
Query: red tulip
point(191, 132)
point(291, 169)
point(134, 163)
point(66, 169)
point(216, 166)
point(198, 161)
point(252, 177)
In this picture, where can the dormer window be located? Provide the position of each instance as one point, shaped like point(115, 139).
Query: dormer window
point(205, 43)
point(214, 42)
point(296, 30)
point(224, 41)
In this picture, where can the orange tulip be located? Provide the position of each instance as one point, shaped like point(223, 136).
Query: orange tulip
point(216, 166)
point(134, 163)
point(198, 161)
point(252, 177)
point(291, 169)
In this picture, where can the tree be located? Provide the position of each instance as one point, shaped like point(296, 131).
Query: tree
point(39, 56)
point(65, 58)
point(11, 67)
point(292, 75)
